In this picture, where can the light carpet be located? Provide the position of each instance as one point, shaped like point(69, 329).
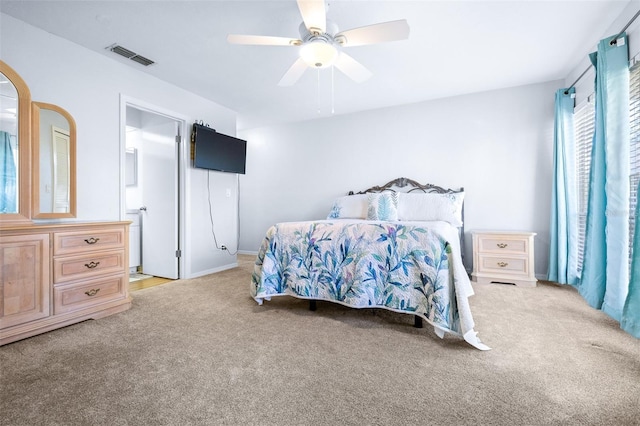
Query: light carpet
point(202, 352)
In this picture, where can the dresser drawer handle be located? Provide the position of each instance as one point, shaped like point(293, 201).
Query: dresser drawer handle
point(91, 264)
point(502, 245)
point(92, 292)
point(91, 240)
point(502, 264)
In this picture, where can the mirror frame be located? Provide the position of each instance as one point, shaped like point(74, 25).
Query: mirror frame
point(35, 174)
point(23, 215)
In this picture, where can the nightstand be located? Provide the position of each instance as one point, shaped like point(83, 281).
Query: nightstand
point(503, 257)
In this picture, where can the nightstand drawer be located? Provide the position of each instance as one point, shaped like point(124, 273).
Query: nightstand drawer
point(503, 244)
point(71, 268)
point(497, 264)
point(72, 297)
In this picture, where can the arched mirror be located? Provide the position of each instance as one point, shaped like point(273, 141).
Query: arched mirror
point(54, 162)
point(15, 147)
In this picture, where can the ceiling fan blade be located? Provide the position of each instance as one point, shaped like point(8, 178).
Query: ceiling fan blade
point(294, 73)
point(352, 68)
point(313, 14)
point(262, 40)
point(376, 33)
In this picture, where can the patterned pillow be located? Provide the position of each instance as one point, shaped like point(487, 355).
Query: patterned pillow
point(383, 206)
point(431, 206)
point(349, 207)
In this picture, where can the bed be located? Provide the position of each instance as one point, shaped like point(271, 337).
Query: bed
point(397, 247)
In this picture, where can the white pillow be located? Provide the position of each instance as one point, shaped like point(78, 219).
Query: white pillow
point(349, 207)
point(431, 206)
point(383, 206)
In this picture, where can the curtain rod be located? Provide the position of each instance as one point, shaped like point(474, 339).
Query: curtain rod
point(613, 41)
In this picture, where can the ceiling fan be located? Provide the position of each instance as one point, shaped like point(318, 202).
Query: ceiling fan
point(321, 43)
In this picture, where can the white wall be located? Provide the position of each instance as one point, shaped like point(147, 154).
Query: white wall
point(89, 85)
point(497, 145)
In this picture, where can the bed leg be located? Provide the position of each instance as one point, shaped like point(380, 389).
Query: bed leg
point(312, 305)
point(417, 321)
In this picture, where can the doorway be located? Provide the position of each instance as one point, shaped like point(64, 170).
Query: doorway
point(153, 150)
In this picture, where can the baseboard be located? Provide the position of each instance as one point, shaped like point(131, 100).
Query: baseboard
point(214, 270)
point(252, 253)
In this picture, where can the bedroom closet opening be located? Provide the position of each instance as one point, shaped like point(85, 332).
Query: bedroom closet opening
point(152, 195)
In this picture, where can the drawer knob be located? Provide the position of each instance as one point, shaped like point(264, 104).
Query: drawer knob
point(92, 292)
point(91, 264)
point(502, 264)
point(502, 245)
point(91, 240)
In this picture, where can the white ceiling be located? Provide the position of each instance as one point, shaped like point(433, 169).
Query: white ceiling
point(454, 47)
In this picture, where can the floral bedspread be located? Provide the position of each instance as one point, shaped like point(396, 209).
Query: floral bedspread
point(410, 267)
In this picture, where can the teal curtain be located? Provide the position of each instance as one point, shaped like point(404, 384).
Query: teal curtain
point(563, 250)
point(630, 321)
point(605, 277)
point(8, 201)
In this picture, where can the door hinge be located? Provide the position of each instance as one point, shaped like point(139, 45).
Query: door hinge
point(178, 253)
point(178, 139)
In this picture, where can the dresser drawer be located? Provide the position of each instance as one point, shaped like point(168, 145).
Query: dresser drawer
point(501, 264)
point(503, 244)
point(70, 268)
point(72, 297)
point(83, 241)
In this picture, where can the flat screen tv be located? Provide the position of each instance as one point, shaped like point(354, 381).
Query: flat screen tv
point(215, 151)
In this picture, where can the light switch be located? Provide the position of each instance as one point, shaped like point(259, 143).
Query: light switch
point(228, 192)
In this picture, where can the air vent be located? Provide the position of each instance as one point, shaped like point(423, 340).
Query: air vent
point(115, 48)
point(142, 60)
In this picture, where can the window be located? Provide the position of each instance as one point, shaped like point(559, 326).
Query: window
point(584, 119)
point(634, 152)
point(584, 122)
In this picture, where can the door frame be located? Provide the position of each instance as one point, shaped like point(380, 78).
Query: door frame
point(181, 164)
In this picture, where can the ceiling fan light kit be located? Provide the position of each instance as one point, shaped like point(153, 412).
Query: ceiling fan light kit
point(318, 54)
point(320, 43)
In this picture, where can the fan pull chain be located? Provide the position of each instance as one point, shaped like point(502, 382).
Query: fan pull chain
point(333, 109)
point(318, 90)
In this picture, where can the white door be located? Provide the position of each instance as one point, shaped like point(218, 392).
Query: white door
point(61, 176)
point(158, 156)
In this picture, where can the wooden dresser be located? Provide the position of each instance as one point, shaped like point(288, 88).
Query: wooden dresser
point(54, 275)
point(504, 257)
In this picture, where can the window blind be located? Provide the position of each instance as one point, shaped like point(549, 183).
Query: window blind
point(584, 121)
point(634, 157)
point(584, 125)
